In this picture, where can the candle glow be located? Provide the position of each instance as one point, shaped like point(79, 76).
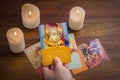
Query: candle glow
point(30, 13)
point(77, 11)
point(15, 33)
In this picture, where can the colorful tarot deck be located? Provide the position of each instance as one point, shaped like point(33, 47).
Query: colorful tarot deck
point(83, 57)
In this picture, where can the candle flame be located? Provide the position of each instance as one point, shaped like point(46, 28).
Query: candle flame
point(15, 33)
point(30, 13)
point(78, 11)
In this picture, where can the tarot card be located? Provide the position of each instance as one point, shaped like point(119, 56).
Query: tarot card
point(77, 63)
point(93, 53)
point(75, 58)
point(33, 54)
point(54, 43)
point(84, 66)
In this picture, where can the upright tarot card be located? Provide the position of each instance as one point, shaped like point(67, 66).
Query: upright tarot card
point(77, 63)
point(54, 42)
point(75, 58)
point(32, 54)
point(94, 53)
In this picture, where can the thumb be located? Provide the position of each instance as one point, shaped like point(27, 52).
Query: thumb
point(57, 62)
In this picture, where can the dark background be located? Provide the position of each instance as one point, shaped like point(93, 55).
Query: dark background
point(102, 21)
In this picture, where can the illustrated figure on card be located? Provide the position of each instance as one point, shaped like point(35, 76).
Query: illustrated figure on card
point(34, 56)
point(73, 46)
point(53, 35)
point(54, 42)
point(93, 53)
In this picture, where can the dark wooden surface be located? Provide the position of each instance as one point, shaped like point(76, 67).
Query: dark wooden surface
point(102, 21)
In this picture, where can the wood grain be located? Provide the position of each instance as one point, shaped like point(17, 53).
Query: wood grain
point(102, 21)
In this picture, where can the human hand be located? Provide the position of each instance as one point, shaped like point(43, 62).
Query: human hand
point(58, 71)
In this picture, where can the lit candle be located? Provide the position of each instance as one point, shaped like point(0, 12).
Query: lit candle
point(16, 41)
point(30, 16)
point(76, 18)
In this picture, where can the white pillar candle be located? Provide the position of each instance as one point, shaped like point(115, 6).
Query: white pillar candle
point(30, 16)
point(16, 41)
point(76, 18)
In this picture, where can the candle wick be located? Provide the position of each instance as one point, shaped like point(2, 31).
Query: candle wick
point(15, 33)
point(78, 12)
point(30, 14)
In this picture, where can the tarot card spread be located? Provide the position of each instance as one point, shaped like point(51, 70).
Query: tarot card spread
point(93, 53)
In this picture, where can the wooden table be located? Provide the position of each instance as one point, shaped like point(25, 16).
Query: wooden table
point(102, 21)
